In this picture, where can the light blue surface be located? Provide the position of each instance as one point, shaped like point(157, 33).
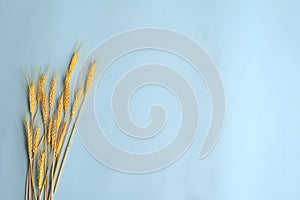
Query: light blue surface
point(255, 46)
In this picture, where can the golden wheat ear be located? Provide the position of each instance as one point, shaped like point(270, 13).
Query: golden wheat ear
point(60, 138)
point(36, 139)
point(77, 100)
point(41, 86)
point(50, 126)
point(29, 137)
point(53, 135)
point(44, 107)
point(66, 92)
point(59, 109)
point(90, 77)
point(41, 169)
point(31, 97)
point(73, 62)
point(52, 92)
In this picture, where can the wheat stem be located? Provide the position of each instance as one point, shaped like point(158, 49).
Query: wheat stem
point(27, 185)
point(32, 179)
point(67, 148)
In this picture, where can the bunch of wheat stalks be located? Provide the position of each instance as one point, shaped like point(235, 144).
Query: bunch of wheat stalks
point(49, 129)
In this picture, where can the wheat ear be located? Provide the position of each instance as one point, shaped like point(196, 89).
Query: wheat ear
point(59, 109)
point(36, 140)
point(50, 126)
point(53, 134)
point(41, 166)
point(41, 86)
point(44, 107)
point(78, 97)
point(73, 62)
point(31, 96)
point(61, 135)
point(29, 146)
point(66, 92)
point(52, 92)
point(90, 77)
point(29, 138)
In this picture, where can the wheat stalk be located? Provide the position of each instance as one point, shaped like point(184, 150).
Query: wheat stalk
point(29, 149)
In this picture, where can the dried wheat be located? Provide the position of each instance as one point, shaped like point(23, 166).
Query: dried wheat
point(36, 140)
point(44, 107)
point(29, 137)
point(31, 98)
point(78, 97)
point(61, 135)
point(49, 131)
point(41, 86)
point(73, 62)
point(59, 109)
point(53, 134)
point(52, 92)
point(41, 166)
point(66, 92)
point(90, 77)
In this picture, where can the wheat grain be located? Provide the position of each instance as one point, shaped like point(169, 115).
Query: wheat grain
point(29, 137)
point(76, 102)
point(90, 77)
point(52, 92)
point(31, 98)
point(41, 166)
point(44, 107)
point(36, 140)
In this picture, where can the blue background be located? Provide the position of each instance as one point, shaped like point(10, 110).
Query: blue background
point(255, 46)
